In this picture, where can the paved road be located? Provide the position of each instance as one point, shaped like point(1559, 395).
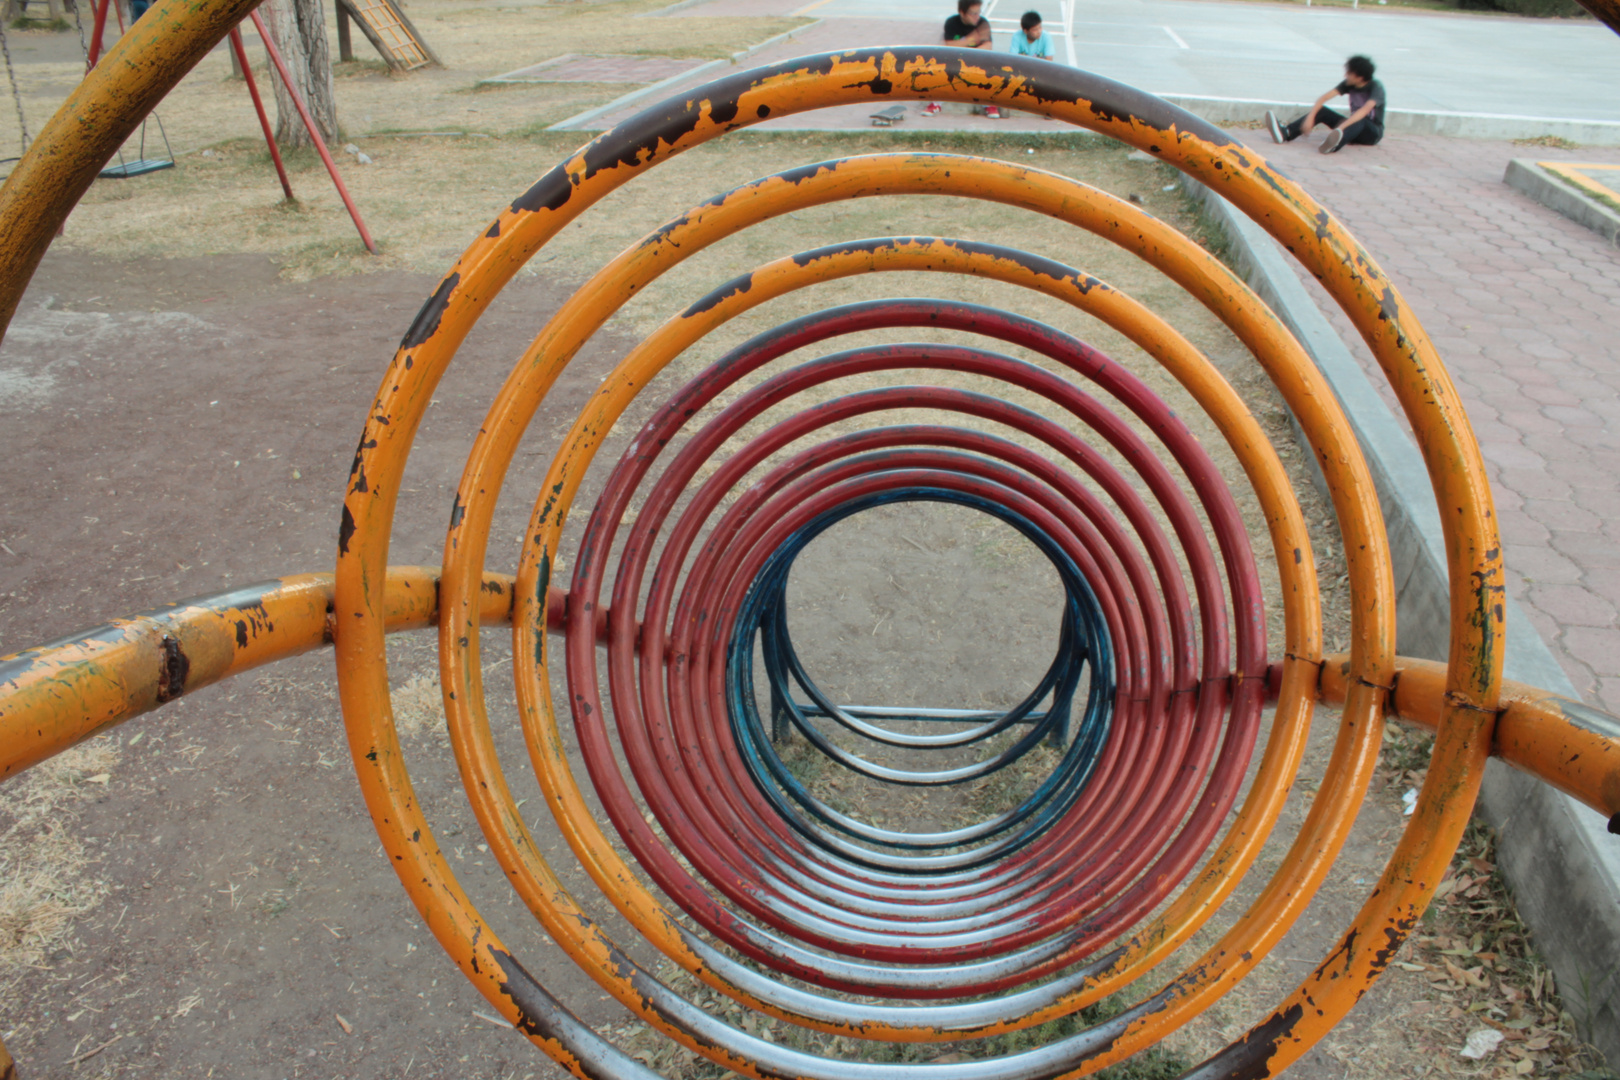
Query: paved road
point(1554, 68)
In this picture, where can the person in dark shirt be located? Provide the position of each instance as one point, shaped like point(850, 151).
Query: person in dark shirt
point(967, 29)
point(1364, 125)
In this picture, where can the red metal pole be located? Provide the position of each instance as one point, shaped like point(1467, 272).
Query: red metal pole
point(258, 107)
point(95, 36)
point(314, 133)
point(90, 62)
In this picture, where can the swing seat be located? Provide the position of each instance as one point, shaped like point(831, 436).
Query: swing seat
point(140, 167)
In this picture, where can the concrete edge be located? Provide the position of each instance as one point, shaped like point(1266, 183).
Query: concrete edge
point(679, 5)
point(1456, 125)
point(505, 78)
point(579, 120)
point(1555, 853)
point(1556, 193)
point(1227, 111)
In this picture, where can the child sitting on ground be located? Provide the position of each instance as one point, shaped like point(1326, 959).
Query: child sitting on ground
point(1031, 41)
point(967, 29)
point(1365, 124)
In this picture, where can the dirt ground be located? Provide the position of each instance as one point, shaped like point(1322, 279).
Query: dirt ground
point(179, 396)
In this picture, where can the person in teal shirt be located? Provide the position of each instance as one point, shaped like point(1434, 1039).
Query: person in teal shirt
point(1030, 40)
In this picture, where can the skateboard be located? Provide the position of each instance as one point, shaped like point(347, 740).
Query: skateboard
point(889, 117)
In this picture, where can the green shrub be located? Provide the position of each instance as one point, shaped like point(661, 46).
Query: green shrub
point(1541, 7)
point(1538, 8)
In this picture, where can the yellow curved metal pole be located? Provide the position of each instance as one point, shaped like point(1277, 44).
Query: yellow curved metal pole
point(894, 174)
point(1559, 741)
point(105, 109)
point(560, 197)
point(56, 695)
point(1313, 853)
point(1607, 10)
point(559, 340)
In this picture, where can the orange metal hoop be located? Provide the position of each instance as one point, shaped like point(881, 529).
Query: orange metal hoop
point(57, 695)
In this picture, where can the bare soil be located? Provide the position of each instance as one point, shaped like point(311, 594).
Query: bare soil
point(175, 452)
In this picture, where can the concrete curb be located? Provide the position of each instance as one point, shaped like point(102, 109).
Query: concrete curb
point(1456, 125)
point(1555, 193)
point(1226, 111)
point(579, 120)
point(679, 5)
point(1556, 854)
point(1217, 110)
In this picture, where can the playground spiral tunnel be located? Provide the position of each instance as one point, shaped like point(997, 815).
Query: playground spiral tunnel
point(672, 637)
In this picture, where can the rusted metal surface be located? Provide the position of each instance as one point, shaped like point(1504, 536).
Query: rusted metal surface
point(58, 694)
point(1561, 742)
point(1607, 10)
point(105, 109)
point(441, 323)
point(54, 696)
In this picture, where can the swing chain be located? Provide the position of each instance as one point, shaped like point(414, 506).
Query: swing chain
point(16, 95)
point(84, 44)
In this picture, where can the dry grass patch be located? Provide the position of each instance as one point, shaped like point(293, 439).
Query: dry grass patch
point(419, 705)
point(1549, 142)
point(1486, 982)
point(46, 876)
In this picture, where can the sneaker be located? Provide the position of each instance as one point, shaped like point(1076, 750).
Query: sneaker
point(1334, 140)
point(1276, 128)
point(992, 112)
point(933, 108)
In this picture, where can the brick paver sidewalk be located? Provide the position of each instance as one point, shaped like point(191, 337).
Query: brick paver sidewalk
point(1524, 306)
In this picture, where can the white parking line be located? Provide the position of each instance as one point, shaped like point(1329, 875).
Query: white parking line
point(1175, 37)
point(1089, 44)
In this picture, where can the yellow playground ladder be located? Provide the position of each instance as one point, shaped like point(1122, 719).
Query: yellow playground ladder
point(388, 29)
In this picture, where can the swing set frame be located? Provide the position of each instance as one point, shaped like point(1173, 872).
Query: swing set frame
point(144, 165)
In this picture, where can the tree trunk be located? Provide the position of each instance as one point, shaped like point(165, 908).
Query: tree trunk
point(299, 30)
